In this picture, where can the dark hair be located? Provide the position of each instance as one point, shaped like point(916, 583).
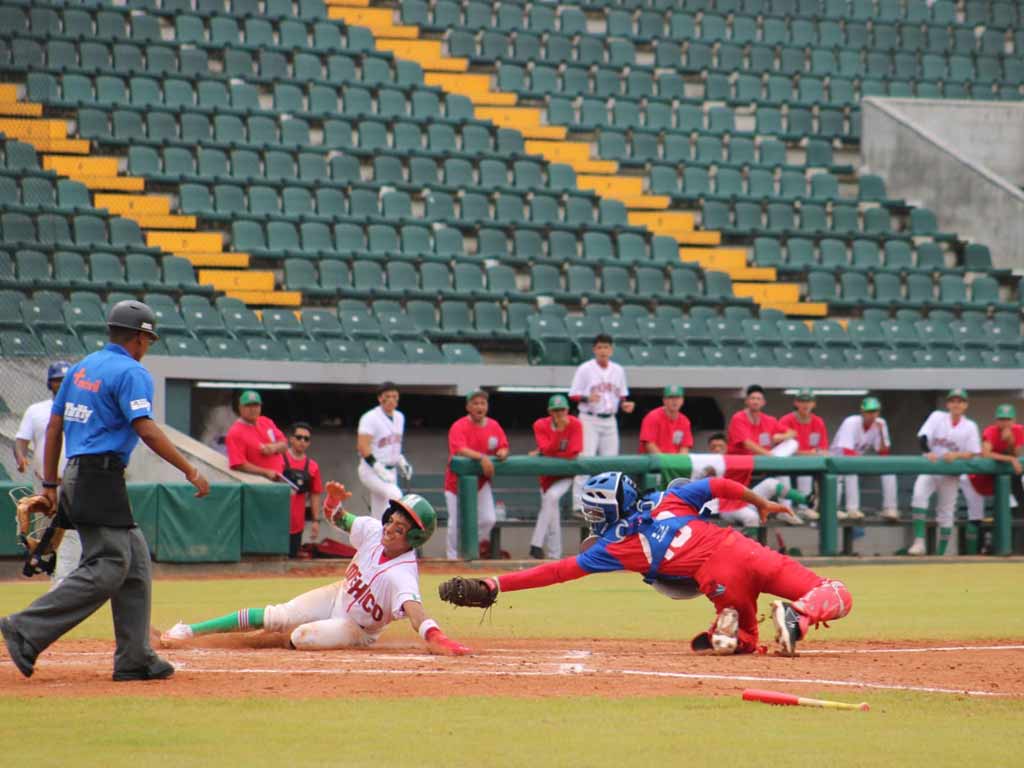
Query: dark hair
point(386, 386)
point(718, 436)
point(301, 425)
point(754, 388)
point(602, 338)
point(120, 335)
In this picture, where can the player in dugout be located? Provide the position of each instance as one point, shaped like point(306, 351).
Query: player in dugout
point(682, 554)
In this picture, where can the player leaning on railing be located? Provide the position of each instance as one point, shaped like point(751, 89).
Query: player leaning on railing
point(381, 585)
point(683, 554)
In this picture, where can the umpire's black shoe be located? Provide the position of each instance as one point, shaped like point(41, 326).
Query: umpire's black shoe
point(157, 669)
point(22, 654)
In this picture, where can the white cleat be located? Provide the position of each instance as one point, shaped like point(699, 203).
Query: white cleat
point(918, 548)
point(180, 631)
point(787, 627)
point(723, 638)
point(809, 514)
point(789, 519)
point(851, 514)
point(891, 515)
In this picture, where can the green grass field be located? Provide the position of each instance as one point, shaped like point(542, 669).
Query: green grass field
point(915, 602)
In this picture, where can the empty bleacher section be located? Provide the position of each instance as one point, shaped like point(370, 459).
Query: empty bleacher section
point(429, 180)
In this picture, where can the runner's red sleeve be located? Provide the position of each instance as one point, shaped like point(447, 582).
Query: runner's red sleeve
point(724, 488)
point(544, 575)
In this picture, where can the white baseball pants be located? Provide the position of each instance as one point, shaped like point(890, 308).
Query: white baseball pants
point(69, 553)
point(600, 438)
point(945, 488)
point(769, 488)
point(317, 621)
point(547, 533)
point(852, 486)
point(381, 491)
point(485, 518)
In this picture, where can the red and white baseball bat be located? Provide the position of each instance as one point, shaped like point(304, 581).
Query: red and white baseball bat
point(788, 699)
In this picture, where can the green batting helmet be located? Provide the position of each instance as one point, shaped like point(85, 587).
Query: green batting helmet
point(422, 514)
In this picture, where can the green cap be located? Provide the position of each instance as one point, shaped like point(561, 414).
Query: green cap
point(475, 394)
point(804, 394)
point(1006, 411)
point(250, 397)
point(958, 392)
point(558, 403)
point(673, 390)
point(870, 404)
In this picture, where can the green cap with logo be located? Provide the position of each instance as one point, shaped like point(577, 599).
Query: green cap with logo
point(804, 395)
point(1006, 411)
point(673, 390)
point(250, 397)
point(870, 404)
point(958, 392)
point(558, 403)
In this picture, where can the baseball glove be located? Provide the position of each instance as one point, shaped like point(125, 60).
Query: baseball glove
point(32, 529)
point(470, 593)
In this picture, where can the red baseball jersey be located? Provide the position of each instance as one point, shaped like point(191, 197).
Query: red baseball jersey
point(244, 440)
point(670, 435)
point(558, 444)
point(984, 484)
point(742, 428)
point(298, 501)
point(487, 438)
point(811, 436)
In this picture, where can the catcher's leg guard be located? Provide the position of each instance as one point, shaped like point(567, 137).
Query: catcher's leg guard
point(827, 601)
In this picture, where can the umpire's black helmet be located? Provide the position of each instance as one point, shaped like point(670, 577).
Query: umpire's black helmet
point(133, 315)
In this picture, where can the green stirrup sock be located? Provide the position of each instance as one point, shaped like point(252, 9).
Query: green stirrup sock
point(919, 517)
point(750, 532)
point(972, 535)
point(794, 495)
point(944, 536)
point(239, 621)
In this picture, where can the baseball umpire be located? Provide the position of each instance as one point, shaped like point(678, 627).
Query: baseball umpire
point(102, 409)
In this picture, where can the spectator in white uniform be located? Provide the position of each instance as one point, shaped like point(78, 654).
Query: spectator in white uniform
point(599, 388)
point(379, 444)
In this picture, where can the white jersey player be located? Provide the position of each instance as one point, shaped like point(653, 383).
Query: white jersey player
point(945, 436)
point(599, 388)
point(32, 433)
point(381, 585)
point(379, 444)
point(865, 434)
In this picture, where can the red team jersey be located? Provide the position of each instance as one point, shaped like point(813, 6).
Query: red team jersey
point(487, 439)
point(298, 501)
point(811, 436)
point(742, 428)
point(984, 484)
point(244, 440)
point(564, 444)
point(669, 435)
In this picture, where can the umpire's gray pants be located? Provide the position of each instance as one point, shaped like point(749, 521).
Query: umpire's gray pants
point(115, 567)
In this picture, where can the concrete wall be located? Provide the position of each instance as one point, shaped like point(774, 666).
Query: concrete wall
point(961, 159)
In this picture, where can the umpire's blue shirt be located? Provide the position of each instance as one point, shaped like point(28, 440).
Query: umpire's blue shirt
point(100, 398)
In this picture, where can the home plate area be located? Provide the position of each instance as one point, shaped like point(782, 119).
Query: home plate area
point(258, 664)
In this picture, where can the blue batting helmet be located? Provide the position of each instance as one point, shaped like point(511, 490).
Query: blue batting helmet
point(57, 370)
point(607, 498)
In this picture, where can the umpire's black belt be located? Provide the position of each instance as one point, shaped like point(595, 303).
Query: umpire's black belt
point(109, 462)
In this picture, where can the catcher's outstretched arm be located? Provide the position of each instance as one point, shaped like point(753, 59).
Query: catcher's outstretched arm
point(566, 569)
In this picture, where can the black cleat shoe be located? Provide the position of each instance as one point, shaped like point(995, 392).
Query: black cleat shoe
point(536, 553)
point(787, 627)
point(21, 653)
point(157, 669)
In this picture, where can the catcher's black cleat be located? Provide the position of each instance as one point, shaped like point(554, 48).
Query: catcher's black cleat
point(787, 627)
point(157, 669)
point(21, 653)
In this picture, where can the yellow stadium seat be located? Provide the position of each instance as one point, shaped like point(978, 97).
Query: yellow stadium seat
point(156, 205)
point(222, 260)
point(237, 279)
point(477, 88)
point(186, 242)
point(269, 298)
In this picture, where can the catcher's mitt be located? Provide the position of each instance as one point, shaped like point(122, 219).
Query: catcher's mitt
point(471, 593)
point(33, 512)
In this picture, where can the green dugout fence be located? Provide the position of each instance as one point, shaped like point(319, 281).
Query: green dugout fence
point(659, 469)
